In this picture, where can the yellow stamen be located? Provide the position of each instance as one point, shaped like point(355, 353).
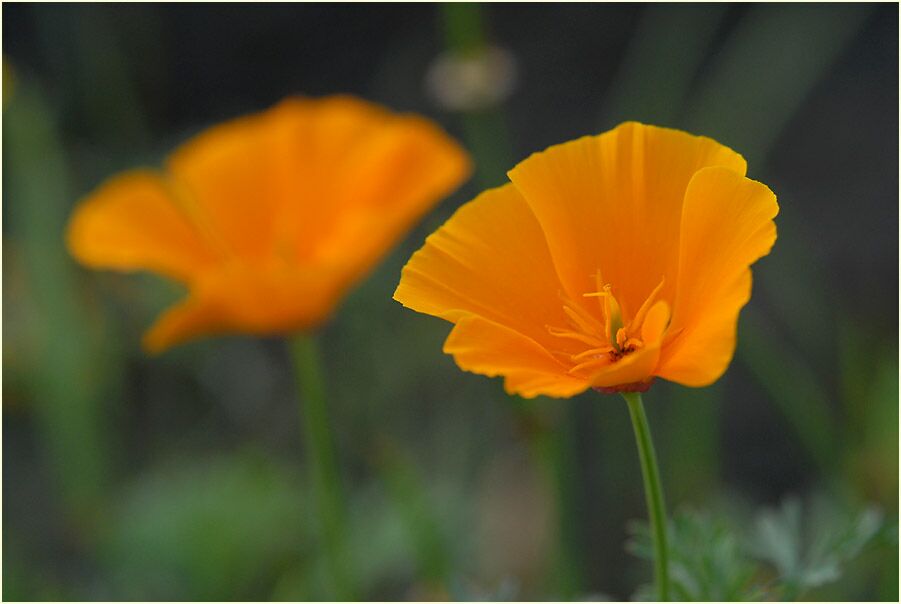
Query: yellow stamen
point(579, 319)
point(591, 352)
point(618, 339)
point(638, 320)
point(574, 335)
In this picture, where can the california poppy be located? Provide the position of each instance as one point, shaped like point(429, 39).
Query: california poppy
point(268, 219)
point(607, 261)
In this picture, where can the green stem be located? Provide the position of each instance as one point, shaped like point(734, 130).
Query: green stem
point(320, 450)
point(653, 492)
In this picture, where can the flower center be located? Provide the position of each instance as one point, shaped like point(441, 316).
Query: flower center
point(608, 337)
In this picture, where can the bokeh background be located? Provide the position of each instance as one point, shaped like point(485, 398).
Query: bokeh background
point(183, 476)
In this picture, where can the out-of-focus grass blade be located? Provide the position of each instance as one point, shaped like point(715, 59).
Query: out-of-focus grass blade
point(789, 358)
point(758, 82)
point(71, 369)
point(869, 385)
point(777, 54)
point(795, 284)
point(89, 59)
point(663, 56)
point(791, 385)
point(773, 60)
point(690, 442)
point(554, 450)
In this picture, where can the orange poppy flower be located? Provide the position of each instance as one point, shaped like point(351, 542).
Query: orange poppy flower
point(269, 218)
point(607, 261)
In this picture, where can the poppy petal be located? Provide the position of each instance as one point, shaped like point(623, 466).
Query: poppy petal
point(489, 259)
point(247, 299)
point(488, 348)
point(393, 179)
point(132, 223)
point(311, 176)
point(613, 202)
point(232, 180)
point(727, 224)
point(190, 318)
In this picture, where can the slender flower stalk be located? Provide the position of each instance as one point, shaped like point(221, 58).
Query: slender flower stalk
point(322, 460)
point(653, 492)
point(606, 262)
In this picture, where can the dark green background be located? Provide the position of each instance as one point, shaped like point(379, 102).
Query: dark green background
point(182, 476)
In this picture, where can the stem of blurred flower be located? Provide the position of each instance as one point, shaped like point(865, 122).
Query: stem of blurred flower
point(322, 459)
point(653, 491)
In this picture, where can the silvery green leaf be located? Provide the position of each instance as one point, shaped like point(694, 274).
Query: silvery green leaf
point(808, 544)
point(707, 561)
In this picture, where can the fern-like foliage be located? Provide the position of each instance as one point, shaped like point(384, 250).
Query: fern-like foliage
point(776, 554)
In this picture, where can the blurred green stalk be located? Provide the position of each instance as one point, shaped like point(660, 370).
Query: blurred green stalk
point(323, 463)
point(69, 365)
point(764, 73)
point(692, 417)
point(792, 386)
point(556, 453)
point(663, 55)
point(766, 70)
point(653, 492)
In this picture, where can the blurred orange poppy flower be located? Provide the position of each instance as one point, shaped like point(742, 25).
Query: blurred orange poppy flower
point(269, 218)
point(607, 261)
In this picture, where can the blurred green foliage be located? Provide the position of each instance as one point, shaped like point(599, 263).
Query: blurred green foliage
point(786, 553)
point(209, 529)
point(68, 375)
point(184, 476)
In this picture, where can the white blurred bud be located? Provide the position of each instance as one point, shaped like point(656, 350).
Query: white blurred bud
point(473, 81)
